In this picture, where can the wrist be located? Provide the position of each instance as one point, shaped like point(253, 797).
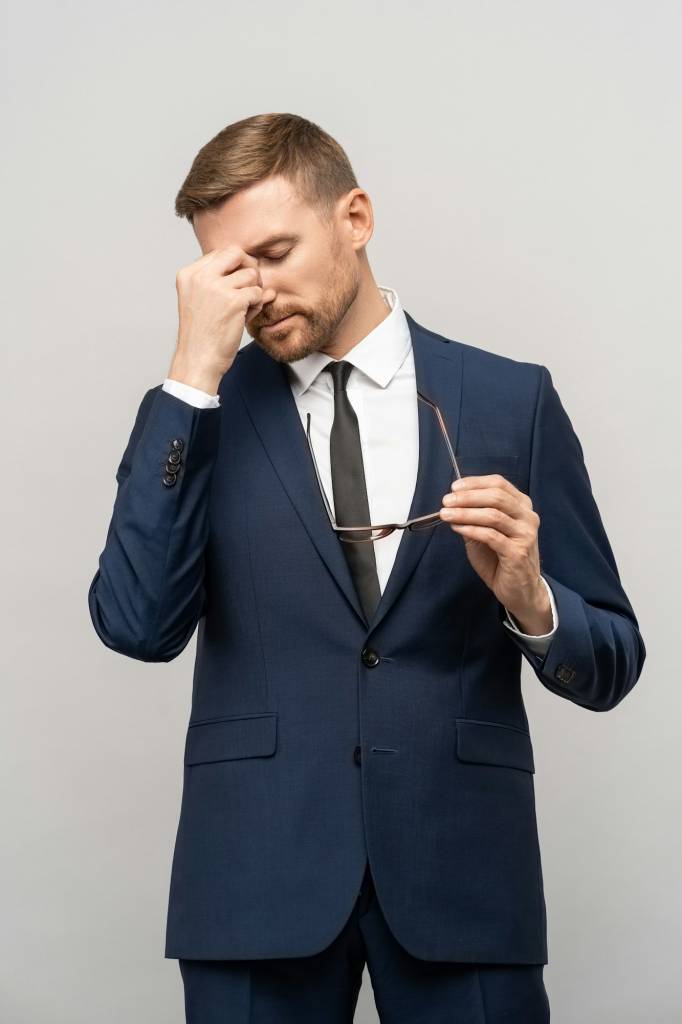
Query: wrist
point(535, 616)
point(204, 378)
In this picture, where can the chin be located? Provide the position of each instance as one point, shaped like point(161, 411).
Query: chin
point(272, 346)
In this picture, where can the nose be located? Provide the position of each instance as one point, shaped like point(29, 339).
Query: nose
point(269, 292)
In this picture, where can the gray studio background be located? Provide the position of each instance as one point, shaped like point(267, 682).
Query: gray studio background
point(523, 159)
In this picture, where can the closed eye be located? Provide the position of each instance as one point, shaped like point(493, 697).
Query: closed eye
point(276, 259)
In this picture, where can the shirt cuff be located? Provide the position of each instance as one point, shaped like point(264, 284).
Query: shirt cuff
point(538, 644)
point(195, 396)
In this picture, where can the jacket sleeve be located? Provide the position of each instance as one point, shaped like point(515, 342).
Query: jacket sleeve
point(596, 655)
point(148, 593)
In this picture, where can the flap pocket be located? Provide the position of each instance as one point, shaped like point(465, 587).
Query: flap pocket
point(507, 465)
point(224, 739)
point(494, 743)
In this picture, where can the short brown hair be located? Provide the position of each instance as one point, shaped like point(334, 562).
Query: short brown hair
point(257, 147)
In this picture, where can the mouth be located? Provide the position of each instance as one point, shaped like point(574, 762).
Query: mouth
point(278, 323)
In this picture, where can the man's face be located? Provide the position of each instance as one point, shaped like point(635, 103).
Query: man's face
point(314, 272)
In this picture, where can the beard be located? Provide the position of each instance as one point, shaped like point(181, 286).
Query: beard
point(313, 330)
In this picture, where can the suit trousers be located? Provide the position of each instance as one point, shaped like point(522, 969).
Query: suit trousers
point(324, 988)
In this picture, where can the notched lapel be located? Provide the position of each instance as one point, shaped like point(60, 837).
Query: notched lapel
point(264, 386)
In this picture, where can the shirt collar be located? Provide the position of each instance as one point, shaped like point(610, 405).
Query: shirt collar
point(379, 355)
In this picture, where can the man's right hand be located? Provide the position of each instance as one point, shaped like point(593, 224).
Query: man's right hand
point(217, 295)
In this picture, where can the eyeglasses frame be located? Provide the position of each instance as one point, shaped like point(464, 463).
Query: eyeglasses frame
point(419, 523)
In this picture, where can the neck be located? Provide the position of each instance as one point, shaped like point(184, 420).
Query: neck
point(366, 313)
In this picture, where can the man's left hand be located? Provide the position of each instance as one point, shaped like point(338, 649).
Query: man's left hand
point(500, 531)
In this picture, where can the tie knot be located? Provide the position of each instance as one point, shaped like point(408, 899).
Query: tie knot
point(340, 371)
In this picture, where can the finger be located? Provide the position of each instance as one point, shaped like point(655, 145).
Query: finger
point(466, 483)
point(469, 483)
point(244, 277)
point(490, 518)
point(510, 502)
point(495, 540)
point(224, 261)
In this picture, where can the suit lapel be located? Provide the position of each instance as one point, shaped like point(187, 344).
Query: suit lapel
point(264, 386)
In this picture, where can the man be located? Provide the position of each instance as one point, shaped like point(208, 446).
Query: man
point(358, 781)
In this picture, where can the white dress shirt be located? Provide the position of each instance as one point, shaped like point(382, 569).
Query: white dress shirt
point(383, 392)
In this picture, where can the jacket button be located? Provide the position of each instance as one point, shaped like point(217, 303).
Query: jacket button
point(357, 755)
point(171, 468)
point(564, 673)
point(174, 457)
point(169, 479)
point(177, 444)
point(369, 657)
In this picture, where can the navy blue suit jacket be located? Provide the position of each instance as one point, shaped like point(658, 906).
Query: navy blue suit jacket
point(278, 813)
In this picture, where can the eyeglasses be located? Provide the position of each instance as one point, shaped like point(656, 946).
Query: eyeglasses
point(358, 534)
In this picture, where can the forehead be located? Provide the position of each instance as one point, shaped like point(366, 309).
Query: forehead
point(270, 207)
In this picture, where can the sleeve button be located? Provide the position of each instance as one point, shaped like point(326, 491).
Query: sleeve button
point(169, 479)
point(564, 673)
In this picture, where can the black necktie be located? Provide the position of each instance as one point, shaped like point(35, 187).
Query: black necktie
point(351, 506)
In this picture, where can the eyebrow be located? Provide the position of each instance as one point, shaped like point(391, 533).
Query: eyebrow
point(269, 242)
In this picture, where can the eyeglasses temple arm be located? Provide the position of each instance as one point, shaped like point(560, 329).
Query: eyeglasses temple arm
point(437, 411)
point(317, 473)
